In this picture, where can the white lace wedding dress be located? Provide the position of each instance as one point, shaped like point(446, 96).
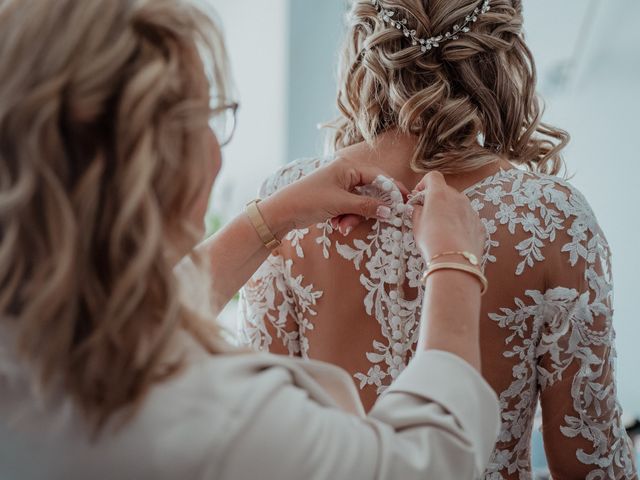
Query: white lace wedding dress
point(546, 325)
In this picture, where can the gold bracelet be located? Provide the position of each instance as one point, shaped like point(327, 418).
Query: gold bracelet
point(470, 257)
point(460, 267)
point(264, 232)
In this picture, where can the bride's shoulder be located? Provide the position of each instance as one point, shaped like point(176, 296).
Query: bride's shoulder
point(290, 173)
point(541, 216)
point(536, 192)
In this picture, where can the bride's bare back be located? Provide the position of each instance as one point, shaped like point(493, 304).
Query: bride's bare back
point(546, 329)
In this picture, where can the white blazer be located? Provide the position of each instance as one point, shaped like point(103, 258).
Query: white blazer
point(258, 416)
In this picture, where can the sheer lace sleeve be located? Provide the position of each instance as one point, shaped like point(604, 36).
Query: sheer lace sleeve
point(582, 429)
point(275, 305)
point(267, 314)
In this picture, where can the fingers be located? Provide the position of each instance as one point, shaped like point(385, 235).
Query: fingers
point(347, 223)
point(431, 180)
point(435, 180)
point(361, 175)
point(367, 207)
point(375, 173)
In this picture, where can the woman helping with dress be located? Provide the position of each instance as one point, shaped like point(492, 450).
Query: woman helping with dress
point(111, 364)
point(450, 86)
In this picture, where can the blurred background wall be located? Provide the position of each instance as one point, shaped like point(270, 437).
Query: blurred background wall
point(588, 53)
point(257, 36)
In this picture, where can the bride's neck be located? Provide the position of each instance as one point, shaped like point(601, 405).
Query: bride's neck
point(392, 151)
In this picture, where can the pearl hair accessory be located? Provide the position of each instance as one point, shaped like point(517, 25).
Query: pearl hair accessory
point(390, 17)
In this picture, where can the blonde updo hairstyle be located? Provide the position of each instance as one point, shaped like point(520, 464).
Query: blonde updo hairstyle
point(103, 105)
point(482, 83)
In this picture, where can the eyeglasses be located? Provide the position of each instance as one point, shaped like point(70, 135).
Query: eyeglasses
point(223, 121)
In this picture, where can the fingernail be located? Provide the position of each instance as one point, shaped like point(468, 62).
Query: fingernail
point(347, 231)
point(409, 210)
point(383, 212)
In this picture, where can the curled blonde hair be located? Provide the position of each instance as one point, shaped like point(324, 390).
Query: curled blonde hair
point(482, 83)
point(102, 112)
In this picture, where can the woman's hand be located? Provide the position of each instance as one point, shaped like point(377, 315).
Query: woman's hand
point(446, 222)
point(236, 251)
point(327, 194)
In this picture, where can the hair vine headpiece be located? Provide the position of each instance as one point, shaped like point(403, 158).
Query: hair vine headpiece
point(426, 44)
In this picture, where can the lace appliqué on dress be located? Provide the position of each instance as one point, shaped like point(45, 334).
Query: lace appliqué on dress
point(562, 336)
point(275, 298)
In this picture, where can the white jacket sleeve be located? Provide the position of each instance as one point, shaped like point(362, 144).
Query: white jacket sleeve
point(439, 420)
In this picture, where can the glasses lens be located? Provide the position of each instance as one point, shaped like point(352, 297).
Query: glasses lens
point(223, 123)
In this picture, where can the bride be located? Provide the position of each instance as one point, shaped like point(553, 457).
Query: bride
point(450, 86)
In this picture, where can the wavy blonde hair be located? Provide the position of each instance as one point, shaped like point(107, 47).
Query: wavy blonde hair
point(102, 114)
point(484, 82)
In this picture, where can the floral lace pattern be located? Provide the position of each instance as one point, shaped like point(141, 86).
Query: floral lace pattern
point(558, 340)
point(297, 302)
point(389, 255)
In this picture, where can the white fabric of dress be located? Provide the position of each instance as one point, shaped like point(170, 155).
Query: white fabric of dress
point(546, 326)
